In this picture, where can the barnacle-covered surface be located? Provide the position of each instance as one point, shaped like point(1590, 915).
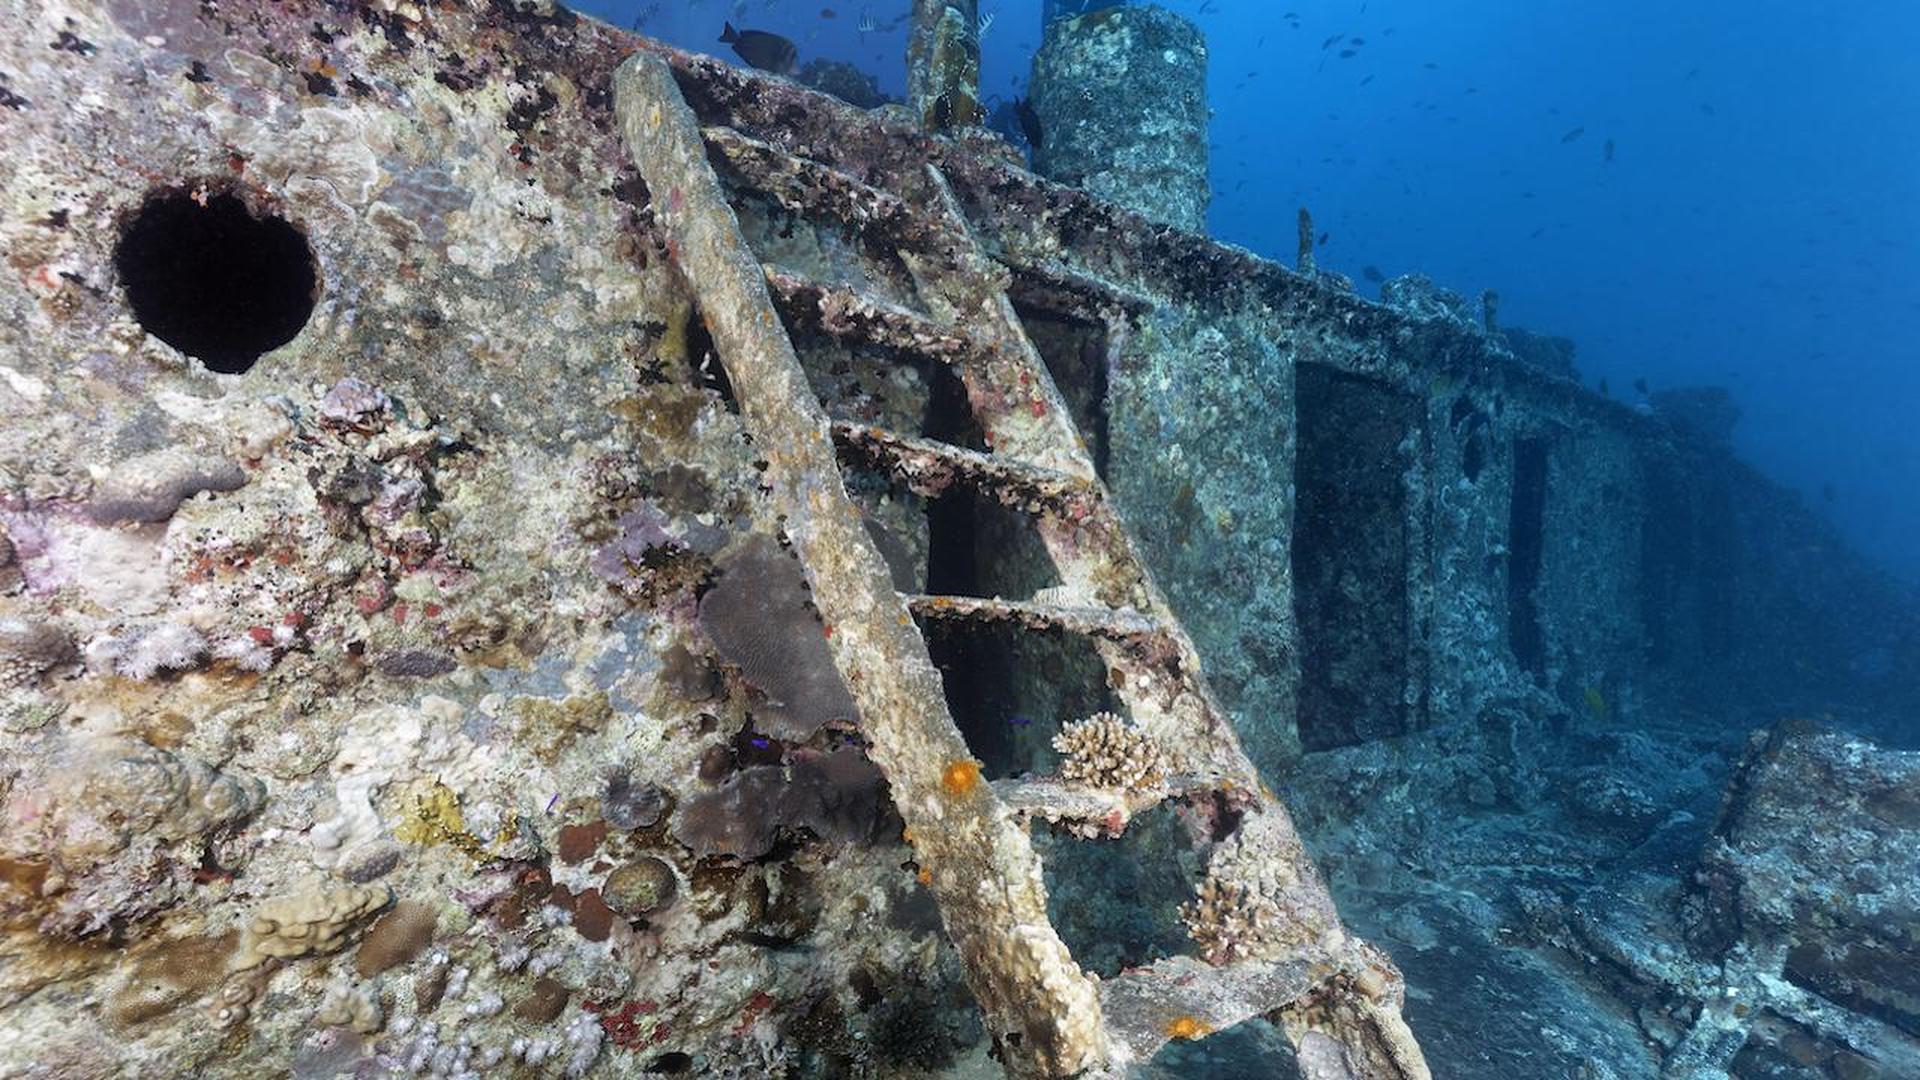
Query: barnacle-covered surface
point(359, 710)
point(350, 701)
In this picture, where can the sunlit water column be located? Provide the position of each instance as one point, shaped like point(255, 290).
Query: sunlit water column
point(1121, 94)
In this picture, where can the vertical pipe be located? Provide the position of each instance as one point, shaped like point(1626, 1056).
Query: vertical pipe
point(943, 64)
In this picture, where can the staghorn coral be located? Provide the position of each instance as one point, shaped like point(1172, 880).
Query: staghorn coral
point(1231, 921)
point(1105, 751)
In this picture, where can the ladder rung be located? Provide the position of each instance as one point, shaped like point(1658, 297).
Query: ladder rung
point(802, 185)
point(851, 315)
point(930, 467)
point(1054, 799)
point(1181, 997)
point(1108, 624)
point(1055, 287)
point(1107, 810)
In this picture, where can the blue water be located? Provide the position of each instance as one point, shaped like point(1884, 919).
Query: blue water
point(1756, 228)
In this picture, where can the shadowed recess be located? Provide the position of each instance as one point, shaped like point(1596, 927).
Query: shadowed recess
point(209, 277)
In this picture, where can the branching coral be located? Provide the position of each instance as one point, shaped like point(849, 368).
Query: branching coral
point(1105, 751)
point(1230, 921)
point(1255, 903)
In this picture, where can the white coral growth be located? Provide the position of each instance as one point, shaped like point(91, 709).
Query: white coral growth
point(1105, 751)
point(1231, 921)
point(583, 1038)
point(163, 647)
point(1261, 899)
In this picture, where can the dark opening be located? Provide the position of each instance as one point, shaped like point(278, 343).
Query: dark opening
point(1469, 424)
point(1116, 903)
point(1526, 536)
point(1002, 686)
point(1075, 352)
point(671, 1063)
point(1689, 555)
point(880, 387)
point(1010, 690)
point(707, 366)
point(949, 417)
point(209, 277)
point(1351, 551)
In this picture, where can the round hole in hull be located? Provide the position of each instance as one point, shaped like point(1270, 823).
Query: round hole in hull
point(212, 278)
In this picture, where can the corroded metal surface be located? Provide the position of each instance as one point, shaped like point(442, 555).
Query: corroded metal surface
point(981, 864)
point(1026, 423)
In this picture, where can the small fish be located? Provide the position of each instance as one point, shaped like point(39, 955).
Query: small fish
point(1606, 152)
point(1019, 721)
point(1347, 54)
point(1373, 274)
point(829, 13)
point(1572, 135)
point(1322, 242)
point(761, 49)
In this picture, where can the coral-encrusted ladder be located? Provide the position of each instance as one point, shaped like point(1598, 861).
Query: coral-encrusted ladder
point(1338, 998)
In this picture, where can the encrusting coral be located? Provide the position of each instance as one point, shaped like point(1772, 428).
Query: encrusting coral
point(308, 923)
point(1105, 751)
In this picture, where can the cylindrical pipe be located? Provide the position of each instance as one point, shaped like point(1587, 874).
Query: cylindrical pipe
point(1121, 97)
point(943, 63)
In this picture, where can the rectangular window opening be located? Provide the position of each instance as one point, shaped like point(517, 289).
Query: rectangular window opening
point(1351, 551)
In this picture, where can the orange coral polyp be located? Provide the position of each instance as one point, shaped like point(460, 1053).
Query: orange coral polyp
point(1187, 1027)
point(960, 777)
